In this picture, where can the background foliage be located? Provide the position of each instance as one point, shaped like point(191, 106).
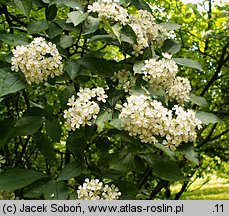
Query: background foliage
point(42, 158)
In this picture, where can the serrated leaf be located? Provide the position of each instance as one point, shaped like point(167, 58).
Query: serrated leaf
point(13, 39)
point(77, 17)
point(16, 178)
point(102, 118)
point(170, 26)
point(171, 46)
point(189, 152)
point(72, 170)
point(163, 167)
point(28, 125)
point(37, 26)
point(198, 100)
point(208, 118)
point(24, 6)
point(188, 63)
point(72, 68)
point(10, 82)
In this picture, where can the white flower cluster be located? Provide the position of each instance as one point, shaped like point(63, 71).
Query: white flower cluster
point(37, 60)
point(95, 190)
point(82, 110)
point(125, 79)
point(147, 31)
point(2, 161)
point(109, 9)
point(161, 75)
point(7, 195)
point(149, 119)
point(143, 24)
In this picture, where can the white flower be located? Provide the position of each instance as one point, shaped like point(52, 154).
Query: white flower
point(149, 119)
point(95, 190)
point(82, 110)
point(37, 60)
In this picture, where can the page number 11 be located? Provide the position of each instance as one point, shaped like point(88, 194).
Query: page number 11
point(218, 208)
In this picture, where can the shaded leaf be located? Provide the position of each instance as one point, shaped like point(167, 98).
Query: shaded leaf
point(171, 46)
point(64, 41)
point(28, 125)
point(53, 30)
point(189, 152)
point(10, 82)
point(170, 26)
point(50, 12)
point(163, 167)
point(91, 24)
point(72, 170)
point(72, 68)
point(77, 17)
point(6, 130)
point(13, 39)
point(103, 118)
point(54, 190)
point(198, 100)
point(141, 4)
point(188, 63)
point(208, 118)
point(24, 6)
point(37, 26)
point(138, 67)
point(116, 29)
point(53, 129)
point(16, 178)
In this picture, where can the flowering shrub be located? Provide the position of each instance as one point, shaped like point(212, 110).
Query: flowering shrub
point(106, 100)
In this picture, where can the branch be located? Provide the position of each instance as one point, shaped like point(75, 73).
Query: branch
point(161, 184)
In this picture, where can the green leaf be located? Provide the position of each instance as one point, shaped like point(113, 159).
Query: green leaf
point(53, 129)
point(54, 30)
point(122, 161)
point(10, 82)
point(99, 66)
point(188, 63)
point(37, 26)
point(72, 68)
point(28, 125)
point(64, 41)
point(54, 190)
point(72, 170)
point(166, 150)
point(44, 144)
point(69, 3)
point(128, 189)
point(163, 167)
point(115, 123)
point(198, 100)
point(208, 118)
point(77, 17)
point(76, 143)
point(50, 12)
point(5, 131)
point(114, 96)
point(103, 118)
point(13, 39)
point(138, 67)
point(171, 46)
point(91, 24)
point(128, 35)
point(170, 26)
point(66, 94)
point(116, 29)
point(141, 4)
point(16, 178)
point(189, 152)
point(24, 6)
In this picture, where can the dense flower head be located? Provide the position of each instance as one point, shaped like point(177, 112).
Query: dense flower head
point(147, 31)
point(149, 119)
point(95, 190)
point(37, 60)
point(125, 79)
point(180, 90)
point(83, 110)
point(160, 73)
point(109, 9)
